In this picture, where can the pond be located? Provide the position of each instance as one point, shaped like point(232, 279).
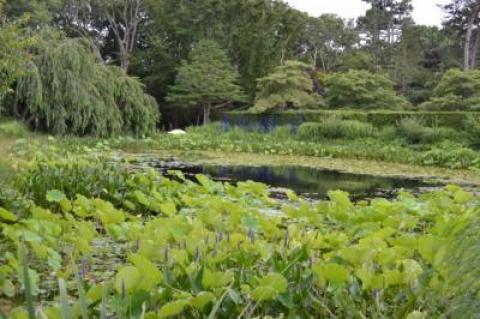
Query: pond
point(309, 182)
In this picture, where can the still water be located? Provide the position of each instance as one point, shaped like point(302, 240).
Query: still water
point(310, 182)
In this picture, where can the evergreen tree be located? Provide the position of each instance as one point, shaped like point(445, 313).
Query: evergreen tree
point(208, 80)
point(289, 86)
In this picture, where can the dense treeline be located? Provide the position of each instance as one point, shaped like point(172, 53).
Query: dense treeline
point(383, 60)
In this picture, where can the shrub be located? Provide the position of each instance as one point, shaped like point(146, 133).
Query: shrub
point(415, 131)
point(388, 133)
point(13, 129)
point(72, 176)
point(452, 156)
point(472, 126)
point(335, 128)
point(362, 89)
point(457, 90)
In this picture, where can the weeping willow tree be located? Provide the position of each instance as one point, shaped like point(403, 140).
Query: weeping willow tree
point(69, 90)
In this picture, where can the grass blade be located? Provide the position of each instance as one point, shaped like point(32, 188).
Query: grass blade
point(81, 295)
point(64, 299)
point(26, 282)
point(103, 310)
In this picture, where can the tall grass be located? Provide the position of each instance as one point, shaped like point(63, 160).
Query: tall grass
point(334, 128)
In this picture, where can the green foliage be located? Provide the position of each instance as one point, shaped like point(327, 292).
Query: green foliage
point(289, 86)
point(362, 90)
point(335, 128)
point(67, 90)
point(472, 126)
point(285, 142)
point(13, 128)
point(457, 90)
point(13, 54)
point(207, 80)
point(415, 131)
point(451, 156)
point(220, 255)
point(71, 176)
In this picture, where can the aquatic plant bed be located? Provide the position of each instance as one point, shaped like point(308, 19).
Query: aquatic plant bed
point(204, 249)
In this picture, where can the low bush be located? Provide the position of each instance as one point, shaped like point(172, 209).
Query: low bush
point(415, 131)
point(387, 133)
point(72, 176)
point(13, 129)
point(452, 156)
point(472, 126)
point(332, 128)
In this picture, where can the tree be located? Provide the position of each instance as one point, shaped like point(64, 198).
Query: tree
point(362, 89)
point(464, 18)
point(67, 90)
point(208, 80)
point(457, 90)
point(120, 19)
point(382, 26)
point(288, 86)
point(328, 37)
point(13, 53)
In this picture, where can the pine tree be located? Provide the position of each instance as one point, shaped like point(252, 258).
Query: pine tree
point(208, 80)
point(289, 86)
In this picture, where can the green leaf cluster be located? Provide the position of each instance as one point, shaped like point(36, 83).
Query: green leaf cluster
point(68, 90)
point(289, 86)
point(457, 90)
point(359, 89)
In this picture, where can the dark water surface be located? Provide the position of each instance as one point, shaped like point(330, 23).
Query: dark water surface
point(310, 182)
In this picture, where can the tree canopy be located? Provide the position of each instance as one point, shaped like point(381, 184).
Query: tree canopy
point(67, 89)
point(289, 86)
point(362, 89)
point(207, 80)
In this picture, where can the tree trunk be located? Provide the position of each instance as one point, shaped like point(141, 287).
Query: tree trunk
point(474, 50)
point(467, 50)
point(206, 113)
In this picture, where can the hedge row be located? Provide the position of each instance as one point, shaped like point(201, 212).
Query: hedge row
point(376, 118)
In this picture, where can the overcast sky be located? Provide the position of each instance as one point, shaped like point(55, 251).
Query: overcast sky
point(425, 11)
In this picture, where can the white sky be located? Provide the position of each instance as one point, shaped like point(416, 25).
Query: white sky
point(425, 11)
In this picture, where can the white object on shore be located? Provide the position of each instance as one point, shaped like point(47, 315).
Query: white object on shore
point(177, 132)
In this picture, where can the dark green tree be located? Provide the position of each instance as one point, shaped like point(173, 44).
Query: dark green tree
point(207, 80)
point(457, 90)
point(383, 24)
point(363, 90)
point(289, 86)
point(463, 17)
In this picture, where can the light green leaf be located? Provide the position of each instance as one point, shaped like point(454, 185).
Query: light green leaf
point(172, 308)
point(55, 196)
point(202, 299)
point(7, 216)
point(128, 277)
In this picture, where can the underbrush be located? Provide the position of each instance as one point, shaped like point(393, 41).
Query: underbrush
point(333, 128)
point(427, 147)
point(178, 248)
point(13, 129)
